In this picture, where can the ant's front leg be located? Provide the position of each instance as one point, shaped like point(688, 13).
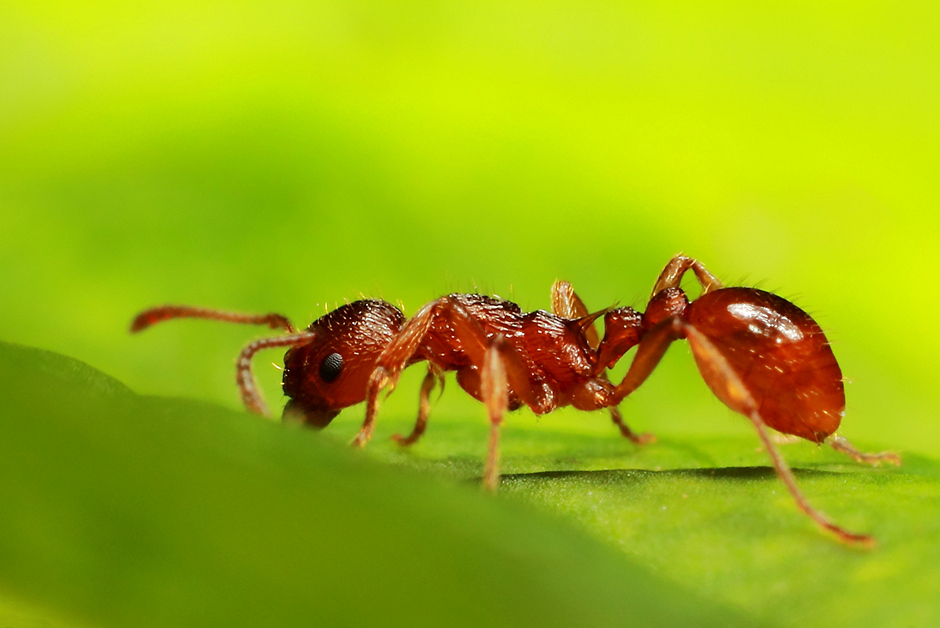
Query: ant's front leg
point(393, 360)
point(500, 369)
point(434, 376)
point(463, 332)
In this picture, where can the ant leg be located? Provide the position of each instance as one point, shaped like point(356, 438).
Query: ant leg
point(166, 312)
point(639, 439)
point(728, 387)
point(433, 377)
point(841, 444)
point(500, 367)
point(469, 337)
point(393, 359)
point(503, 370)
point(567, 304)
point(246, 383)
point(671, 276)
point(494, 388)
point(786, 474)
point(648, 354)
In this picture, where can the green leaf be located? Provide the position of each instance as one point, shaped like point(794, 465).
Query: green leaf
point(138, 511)
point(710, 514)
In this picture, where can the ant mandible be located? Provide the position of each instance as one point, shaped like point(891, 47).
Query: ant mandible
point(760, 355)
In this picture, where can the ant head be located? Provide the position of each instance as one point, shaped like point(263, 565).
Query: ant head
point(332, 371)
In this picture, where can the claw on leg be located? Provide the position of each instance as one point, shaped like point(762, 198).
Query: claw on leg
point(843, 445)
point(639, 439)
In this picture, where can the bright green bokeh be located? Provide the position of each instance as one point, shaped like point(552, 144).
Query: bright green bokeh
point(289, 156)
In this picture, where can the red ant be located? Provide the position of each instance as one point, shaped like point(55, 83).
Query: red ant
point(759, 354)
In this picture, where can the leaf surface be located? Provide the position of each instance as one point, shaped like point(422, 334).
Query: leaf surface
point(140, 511)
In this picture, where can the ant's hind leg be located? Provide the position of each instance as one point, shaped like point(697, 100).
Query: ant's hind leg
point(648, 354)
point(433, 377)
point(842, 445)
point(728, 386)
point(639, 439)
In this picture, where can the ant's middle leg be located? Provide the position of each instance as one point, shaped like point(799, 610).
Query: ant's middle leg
point(638, 439)
point(494, 388)
point(648, 354)
point(567, 304)
point(672, 274)
point(503, 370)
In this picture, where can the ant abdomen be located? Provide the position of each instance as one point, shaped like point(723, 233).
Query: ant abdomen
point(780, 355)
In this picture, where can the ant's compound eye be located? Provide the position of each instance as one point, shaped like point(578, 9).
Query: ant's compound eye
point(330, 367)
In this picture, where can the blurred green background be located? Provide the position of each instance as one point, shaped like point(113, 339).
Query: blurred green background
point(289, 156)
